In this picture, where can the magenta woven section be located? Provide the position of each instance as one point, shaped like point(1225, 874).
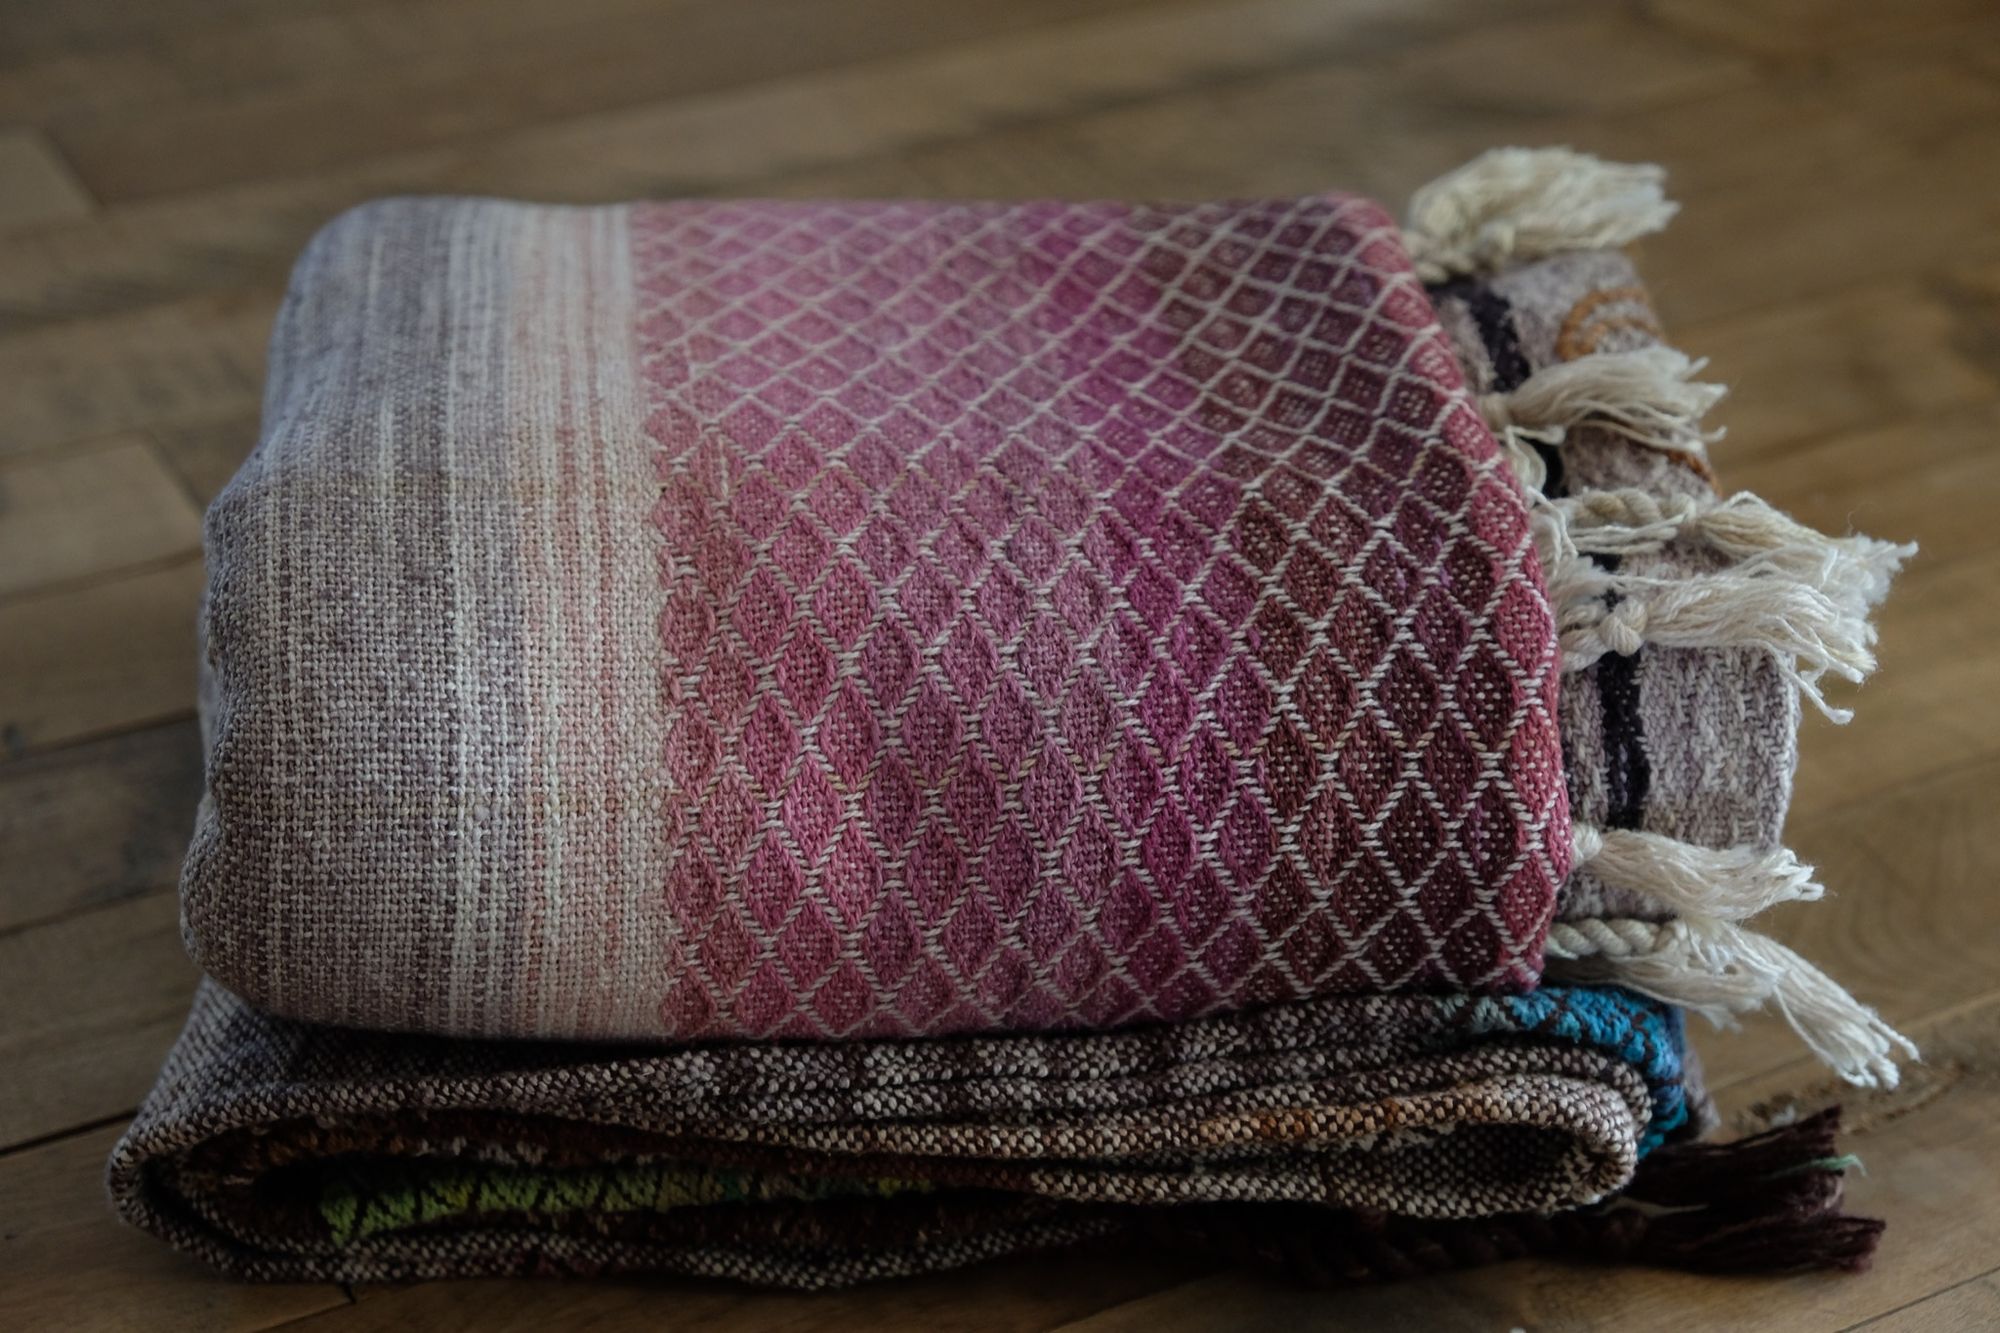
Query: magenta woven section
point(1081, 614)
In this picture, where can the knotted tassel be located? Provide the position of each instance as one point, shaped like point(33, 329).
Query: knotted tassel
point(1745, 528)
point(1510, 205)
point(1810, 633)
point(1813, 626)
point(1648, 396)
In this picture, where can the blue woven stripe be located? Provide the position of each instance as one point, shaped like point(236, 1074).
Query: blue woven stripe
point(1644, 1033)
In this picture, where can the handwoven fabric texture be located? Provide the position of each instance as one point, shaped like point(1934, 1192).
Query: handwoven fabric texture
point(1698, 744)
point(842, 620)
point(282, 1150)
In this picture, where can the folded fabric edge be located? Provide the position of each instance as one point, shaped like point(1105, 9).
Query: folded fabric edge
point(1780, 587)
point(1765, 1204)
point(1544, 1101)
point(1770, 1203)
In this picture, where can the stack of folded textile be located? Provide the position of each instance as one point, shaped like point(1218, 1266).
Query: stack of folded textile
point(812, 742)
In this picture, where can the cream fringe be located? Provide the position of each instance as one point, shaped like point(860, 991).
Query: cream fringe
point(1718, 970)
point(1812, 632)
point(1516, 204)
point(1796, 593)
point(1727, 883)
point(1650, 397)
point(1854, 570)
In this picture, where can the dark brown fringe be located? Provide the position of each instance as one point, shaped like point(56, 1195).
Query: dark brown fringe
point(1765, 1204)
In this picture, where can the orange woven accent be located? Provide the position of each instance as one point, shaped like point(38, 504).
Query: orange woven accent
point(1580, 333)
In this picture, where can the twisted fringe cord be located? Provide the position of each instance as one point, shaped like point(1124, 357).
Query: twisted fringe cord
point(1718, 969)
point(1515, 204)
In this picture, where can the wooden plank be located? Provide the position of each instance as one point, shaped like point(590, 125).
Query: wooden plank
point(94, 823)
point(1859, 359)
point(80, 662)
point(1907, 481)
point(1414, 95)
point(749, 140)
point(207, 453)
point(66, 1261)
point(188, 362)
point(40, 90)
point(93, 1002)
point(89, 511)
point(1012, 1295)
point(1918, 479)
point(144, 254)
point(1600, 60)
point(1908, 925)
point(388, 105)
point(1930, 707)
point(1814, 27)
point(1928, 1150)
point(36, 186)
point(1820, 180)
point(1967, 1307)
point(1776, 157)
point(30, 31)
point(1780, 147)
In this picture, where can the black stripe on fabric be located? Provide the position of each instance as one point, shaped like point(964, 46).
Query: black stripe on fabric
point(1628, 773)
point(1628, 770)
point(1493, 315)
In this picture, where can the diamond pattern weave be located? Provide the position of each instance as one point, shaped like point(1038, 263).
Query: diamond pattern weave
point(1079, 614)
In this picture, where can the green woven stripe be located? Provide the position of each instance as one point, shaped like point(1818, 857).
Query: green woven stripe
point(359, 1200)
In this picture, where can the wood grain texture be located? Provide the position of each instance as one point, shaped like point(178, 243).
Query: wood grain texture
point(424, 90)
point(1965, 1308)
point(93, 1001)
point(1859, 359)
point(81, 662)
point(1838, 257)
point(90, 511)
point(206, 453)
point(66, 1262)
point(93, 823)
point(36, 185)
point(162, 365)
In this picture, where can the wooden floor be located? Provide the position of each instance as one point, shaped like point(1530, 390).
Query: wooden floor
point(161, 161)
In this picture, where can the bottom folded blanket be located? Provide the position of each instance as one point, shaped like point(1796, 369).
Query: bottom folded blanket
point(280, 1150)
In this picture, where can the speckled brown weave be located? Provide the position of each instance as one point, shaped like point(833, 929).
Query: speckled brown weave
point(1421, 1106)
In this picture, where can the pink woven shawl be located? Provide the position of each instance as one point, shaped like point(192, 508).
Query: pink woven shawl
point(836, 620)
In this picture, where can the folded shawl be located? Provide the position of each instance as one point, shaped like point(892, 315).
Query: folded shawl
point(829, 620)
point(276, 1149)
point(960, 676)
